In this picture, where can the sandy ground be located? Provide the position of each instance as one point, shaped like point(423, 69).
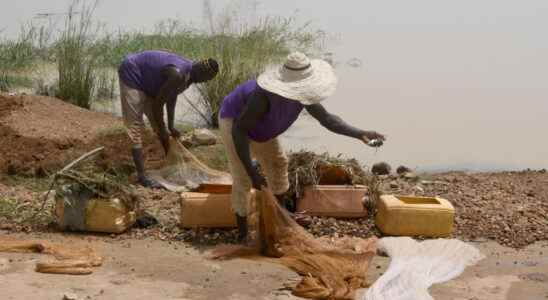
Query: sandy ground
point(152, 269)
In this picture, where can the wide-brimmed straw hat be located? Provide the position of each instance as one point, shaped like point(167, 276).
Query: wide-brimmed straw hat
point(308, 81)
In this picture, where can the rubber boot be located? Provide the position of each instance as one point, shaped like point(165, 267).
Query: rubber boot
point(137, 154)
point(242, 228)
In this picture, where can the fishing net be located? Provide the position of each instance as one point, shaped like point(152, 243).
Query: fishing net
point(71, 260)
point(415, 266)
point(329, 270)
point(184, 171)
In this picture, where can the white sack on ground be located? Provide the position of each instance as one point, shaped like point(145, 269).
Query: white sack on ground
point(415, 266)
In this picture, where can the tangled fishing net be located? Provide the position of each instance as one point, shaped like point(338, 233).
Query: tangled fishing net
point(329, 271)
point(184, 171)
point(70, 260)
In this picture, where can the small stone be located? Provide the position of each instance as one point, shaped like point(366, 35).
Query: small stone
point(403, 169)
point(203, 137)
point(419, 188)
point(70, 296)
point(381, 168)
point(410, 176)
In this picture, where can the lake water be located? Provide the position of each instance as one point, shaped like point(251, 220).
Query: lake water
point(459, 85)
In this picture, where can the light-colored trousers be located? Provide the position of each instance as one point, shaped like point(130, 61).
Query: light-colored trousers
point(273, 164)
point(135, 104)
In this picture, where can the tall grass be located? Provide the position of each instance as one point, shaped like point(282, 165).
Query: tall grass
point(242, 49)
point(77, 56)
point(20, 54)
point(244, 54)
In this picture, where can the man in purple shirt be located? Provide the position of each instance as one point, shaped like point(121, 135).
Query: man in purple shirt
point(148, 81)
point(257, 112)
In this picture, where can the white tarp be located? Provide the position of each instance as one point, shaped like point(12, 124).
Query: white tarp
point(415, 266)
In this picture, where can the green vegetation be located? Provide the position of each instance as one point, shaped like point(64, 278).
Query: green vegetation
point(8, 81)
point(82, 48)
point(22, 212)
point(76, 58)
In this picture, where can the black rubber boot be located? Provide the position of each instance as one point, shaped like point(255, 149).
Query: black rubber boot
point(242, 228)
point(286, 202)
point(138, 160)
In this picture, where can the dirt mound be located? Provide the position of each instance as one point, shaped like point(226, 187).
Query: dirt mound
point(52, 119)
point(39, 134)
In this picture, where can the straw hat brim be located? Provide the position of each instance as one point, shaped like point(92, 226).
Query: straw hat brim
point(321, 84)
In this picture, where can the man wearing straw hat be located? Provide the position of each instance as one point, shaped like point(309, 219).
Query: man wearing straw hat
point(148, 81)
point(257, 112)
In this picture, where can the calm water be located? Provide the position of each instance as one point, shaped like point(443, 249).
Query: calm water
point(452, 85)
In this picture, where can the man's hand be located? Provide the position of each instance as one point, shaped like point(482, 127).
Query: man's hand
point(258, 181)
point(373, 138)
point(176, 134)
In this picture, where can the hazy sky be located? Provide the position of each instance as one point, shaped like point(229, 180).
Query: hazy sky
point(451, 82)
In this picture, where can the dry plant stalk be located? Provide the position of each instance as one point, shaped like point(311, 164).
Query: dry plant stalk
point(308, 168)
point(70, 260)
point(374, 192)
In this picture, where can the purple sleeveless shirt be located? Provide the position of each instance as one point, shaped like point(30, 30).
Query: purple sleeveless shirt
point(282, 114)
point(141, 71)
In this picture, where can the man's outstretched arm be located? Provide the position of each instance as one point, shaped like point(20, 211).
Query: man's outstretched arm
point(335, 124)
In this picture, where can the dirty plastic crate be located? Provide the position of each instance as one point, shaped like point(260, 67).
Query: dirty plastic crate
point(339, 201)
point(414, 216)
point(206, 210)
point(214, 188)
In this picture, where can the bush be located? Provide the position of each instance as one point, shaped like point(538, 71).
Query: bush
point(242, 50)
point(76, 56)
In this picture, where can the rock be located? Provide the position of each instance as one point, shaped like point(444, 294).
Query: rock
point(70, 296)
point(394, 185)
point(4, 264)
point(419, 188)
point(402, 169)
point(203, 137)
point(381, 168)
point(410, 176)
point(186, 141)
point(539, 277)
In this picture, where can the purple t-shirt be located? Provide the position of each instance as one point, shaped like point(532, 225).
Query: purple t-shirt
point(282, 114)
point(141, 71)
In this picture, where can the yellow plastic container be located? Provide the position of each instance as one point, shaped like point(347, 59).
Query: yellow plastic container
point(206, 210)
point(99, 215)
point(414, 216)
